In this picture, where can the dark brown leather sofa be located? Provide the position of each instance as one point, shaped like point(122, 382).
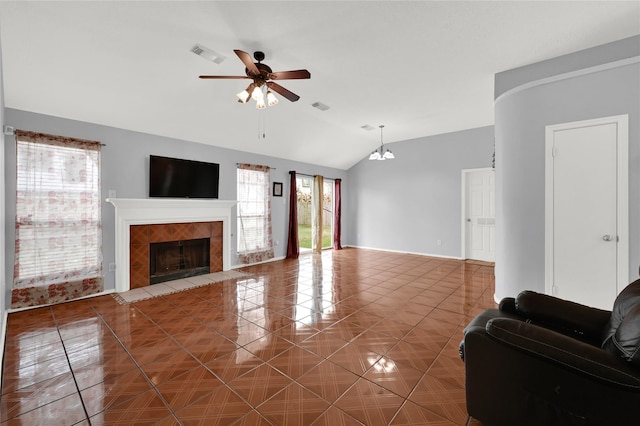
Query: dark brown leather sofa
point(543, 361)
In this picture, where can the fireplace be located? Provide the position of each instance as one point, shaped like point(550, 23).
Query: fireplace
point(168, 251)
point(142, 221)
point(173, 260)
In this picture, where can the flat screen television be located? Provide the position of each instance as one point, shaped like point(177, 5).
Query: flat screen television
point(178, 178)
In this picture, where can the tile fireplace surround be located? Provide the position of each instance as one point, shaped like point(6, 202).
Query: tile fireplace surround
point(144, 237)
point(153, 211)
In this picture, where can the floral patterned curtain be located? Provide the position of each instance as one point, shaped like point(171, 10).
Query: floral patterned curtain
point(255, 241)
point(58, 250)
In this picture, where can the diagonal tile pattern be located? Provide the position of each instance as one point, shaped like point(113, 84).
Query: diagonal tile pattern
point(369, 403)
point(260, 384)
point(294, 405)
point(348, 337)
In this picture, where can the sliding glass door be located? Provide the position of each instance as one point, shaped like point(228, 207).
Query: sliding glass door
point(304, 185)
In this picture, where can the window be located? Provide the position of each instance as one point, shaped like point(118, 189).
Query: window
point(58, 219)
point(254, 214)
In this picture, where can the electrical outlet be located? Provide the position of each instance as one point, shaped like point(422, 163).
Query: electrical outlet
point(439, 242)
point(112, 193)
point(112, 267)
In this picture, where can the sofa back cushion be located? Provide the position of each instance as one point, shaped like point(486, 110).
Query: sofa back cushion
point(572, 319)
point(622, 333)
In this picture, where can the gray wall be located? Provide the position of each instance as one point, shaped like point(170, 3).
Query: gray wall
point(125, 168)
point(409, 203)
point(521, 117)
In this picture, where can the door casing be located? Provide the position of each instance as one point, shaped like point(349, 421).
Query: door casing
point(464, 213)
point(622, 183)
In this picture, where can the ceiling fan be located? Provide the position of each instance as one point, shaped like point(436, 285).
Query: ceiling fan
point(261, 74)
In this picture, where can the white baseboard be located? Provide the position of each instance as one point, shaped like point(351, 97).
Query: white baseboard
point(409, 252)
point(275, 259)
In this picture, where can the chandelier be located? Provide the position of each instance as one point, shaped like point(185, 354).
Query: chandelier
point(381, 154)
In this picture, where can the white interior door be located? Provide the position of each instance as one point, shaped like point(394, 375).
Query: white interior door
point(587, 250)
point(479, 227)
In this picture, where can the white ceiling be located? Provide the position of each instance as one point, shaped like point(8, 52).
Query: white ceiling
point(420, 67)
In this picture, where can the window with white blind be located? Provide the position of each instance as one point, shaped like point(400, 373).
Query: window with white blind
point(58, 217)
point(254, 214)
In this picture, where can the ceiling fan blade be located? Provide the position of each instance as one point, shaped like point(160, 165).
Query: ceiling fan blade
point(247, 61)
point(282, 91)
point(224, 76)
point(290, 75)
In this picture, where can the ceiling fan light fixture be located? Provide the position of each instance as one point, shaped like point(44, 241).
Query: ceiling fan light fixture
point(388, 155)
point(261, 74)
point(260, 103)
point(257, 94)
point(243, 96)
point(375, 155)
point(271, 98)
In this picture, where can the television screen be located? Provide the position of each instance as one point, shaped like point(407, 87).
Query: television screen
point(177, 178)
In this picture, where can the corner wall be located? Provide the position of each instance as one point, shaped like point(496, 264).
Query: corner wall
point(410, 203)
point(3, 257)
point(521, 114)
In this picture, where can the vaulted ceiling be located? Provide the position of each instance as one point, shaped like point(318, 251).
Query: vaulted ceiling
point(418, 67)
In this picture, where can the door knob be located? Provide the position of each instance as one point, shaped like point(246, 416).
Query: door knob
point(607, 237)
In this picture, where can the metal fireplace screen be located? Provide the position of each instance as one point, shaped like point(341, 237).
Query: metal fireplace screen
point(178, 259)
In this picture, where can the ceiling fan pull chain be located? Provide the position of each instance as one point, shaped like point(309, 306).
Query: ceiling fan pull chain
point(264, 125)
point(258, 129)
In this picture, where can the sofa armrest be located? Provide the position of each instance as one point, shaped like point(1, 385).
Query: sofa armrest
point(508, 304)
point(570, 353)
point(479, 322)
point(579, 321)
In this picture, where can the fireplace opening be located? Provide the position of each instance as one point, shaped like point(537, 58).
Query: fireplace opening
point(178, 259)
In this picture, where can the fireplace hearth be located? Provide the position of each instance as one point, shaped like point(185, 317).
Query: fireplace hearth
point(173, 260)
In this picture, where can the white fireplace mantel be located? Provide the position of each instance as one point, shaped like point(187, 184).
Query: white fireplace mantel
point(148, 211)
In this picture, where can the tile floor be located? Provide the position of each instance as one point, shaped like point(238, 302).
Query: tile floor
point(347, 337)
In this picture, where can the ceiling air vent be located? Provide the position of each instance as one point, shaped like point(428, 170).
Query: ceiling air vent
point(320, 106)
point(367, 127)
point(208, 54)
